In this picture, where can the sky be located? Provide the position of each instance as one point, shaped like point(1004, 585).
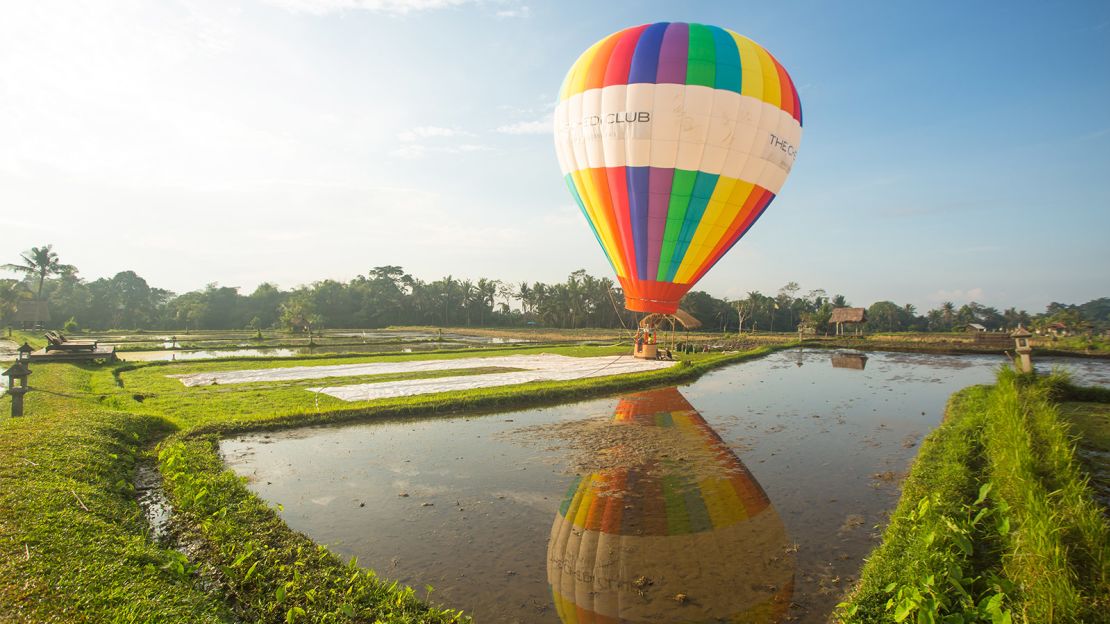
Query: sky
point(951, 151)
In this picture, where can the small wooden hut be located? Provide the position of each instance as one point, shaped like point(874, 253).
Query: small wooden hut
point(848, 316)
point(30, 314)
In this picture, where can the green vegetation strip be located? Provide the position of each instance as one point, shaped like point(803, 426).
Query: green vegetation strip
point(250, 400)
point(997, 522)
point(73, 544)
point(273, 573)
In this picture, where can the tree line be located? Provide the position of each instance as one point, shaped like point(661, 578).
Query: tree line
point(387, 295)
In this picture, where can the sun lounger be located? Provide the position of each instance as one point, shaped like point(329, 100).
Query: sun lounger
point(58, 342)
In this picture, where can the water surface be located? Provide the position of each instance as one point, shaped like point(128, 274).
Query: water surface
point(751, 494)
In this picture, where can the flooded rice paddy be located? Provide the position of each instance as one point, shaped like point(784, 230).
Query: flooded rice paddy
point(751, 494)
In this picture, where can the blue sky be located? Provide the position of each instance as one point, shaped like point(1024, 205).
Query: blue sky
point(951, 150)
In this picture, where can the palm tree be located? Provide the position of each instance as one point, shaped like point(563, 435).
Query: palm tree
point(524, 294)
point(948, 313)
point(41, 262)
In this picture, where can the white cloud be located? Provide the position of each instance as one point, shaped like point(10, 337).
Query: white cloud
point(538, 126)
point(432, 132)
point(419, 150)
point(424, 140)
point(957, 295)
point(522, 11)
point(393, 7)
point(567, 214)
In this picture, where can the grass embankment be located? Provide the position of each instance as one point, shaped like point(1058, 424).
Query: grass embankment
point(74, 545)
point(996, 520)
point(37, 341)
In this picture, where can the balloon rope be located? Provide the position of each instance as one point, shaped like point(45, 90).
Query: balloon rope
point(616, 310)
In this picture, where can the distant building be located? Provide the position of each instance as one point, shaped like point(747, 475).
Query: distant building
point(1057, 329)
point(847, 316)
point(975, 328)
point(31, 314)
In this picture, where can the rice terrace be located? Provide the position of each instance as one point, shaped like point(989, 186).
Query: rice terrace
point(304, 320)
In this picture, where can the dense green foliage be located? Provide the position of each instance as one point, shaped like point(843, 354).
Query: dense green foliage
point(386, 295)
point(996, 523)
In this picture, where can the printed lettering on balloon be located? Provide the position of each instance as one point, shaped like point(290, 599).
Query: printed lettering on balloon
point(784, 145)
point(613, 125)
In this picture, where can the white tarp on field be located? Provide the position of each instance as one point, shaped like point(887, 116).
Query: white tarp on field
point(543, 366)
point(571, 368)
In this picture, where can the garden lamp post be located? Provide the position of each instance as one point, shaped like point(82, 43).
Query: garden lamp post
point(18, 372)
point(1024, 350)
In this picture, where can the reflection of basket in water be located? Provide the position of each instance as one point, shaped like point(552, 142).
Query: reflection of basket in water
point(626, 542)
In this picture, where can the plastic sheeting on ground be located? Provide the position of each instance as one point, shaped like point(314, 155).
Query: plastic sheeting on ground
point(543, 364)
point(568, 369)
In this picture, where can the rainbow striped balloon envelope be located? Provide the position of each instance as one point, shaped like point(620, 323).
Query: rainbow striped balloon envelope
point(686, 514)
point(674, 138)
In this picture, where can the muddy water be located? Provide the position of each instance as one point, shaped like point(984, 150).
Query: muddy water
point(751, 494)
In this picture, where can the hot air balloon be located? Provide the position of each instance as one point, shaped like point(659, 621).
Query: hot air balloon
point(689, 536)
point(674, 138)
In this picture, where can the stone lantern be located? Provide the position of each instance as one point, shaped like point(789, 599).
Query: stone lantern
point(18, 372)
point(24, 352)
point(1024, 349)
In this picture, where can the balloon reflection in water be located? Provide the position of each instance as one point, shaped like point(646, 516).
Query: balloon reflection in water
point(687, 536)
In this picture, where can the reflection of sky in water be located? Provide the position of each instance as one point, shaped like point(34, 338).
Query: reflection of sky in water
point(452, 502)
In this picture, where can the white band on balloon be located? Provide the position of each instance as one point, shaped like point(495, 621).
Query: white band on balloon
point(674, 126)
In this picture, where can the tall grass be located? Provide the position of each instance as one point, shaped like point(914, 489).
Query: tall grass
point(1057, 550)
point(1032, 546)
point(941, 538)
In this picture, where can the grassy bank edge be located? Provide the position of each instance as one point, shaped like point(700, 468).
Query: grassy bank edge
point(996, 522)
point(276, 574)
point(73, 542)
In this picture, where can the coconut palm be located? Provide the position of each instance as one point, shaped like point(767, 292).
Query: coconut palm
point(948, 313)
point(40, 262)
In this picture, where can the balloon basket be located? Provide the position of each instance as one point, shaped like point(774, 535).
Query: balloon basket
point(646, 351)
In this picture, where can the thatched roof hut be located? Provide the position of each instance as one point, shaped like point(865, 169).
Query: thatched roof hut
point(847, 316)
point(30, 314)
